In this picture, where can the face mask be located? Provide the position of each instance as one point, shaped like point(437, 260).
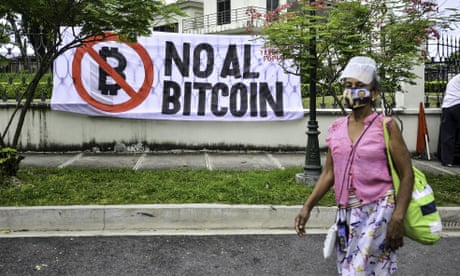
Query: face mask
point(356, 97)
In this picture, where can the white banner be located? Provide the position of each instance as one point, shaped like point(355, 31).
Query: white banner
point(176, 77)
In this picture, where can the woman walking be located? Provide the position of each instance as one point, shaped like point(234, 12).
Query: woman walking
point(369, 218)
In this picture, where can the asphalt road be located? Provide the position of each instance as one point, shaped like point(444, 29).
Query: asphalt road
point(202, 255)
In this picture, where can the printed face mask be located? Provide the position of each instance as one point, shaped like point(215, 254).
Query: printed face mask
point(356, 97)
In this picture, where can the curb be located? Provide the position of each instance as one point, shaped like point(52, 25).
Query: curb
point(106, 219)
point(157, 217)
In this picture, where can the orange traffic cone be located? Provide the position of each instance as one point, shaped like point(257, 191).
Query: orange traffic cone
point(422, 133)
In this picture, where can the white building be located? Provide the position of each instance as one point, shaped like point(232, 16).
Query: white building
point(221, 16)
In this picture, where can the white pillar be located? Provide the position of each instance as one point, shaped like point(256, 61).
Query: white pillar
point(413, 94)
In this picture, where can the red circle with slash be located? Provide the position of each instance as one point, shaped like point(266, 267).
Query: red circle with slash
point(136, 97)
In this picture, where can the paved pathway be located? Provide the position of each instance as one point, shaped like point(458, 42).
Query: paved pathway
point(211, 160)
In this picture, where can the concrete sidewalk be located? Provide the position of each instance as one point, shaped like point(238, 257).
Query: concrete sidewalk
point(211, 160)
point(172, 219)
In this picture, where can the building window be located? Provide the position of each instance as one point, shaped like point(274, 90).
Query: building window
point(272, 5)
point(172, 28)
point(223, 12)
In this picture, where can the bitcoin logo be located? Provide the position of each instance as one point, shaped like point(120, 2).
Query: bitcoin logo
point(105, 87)
point(112, 80)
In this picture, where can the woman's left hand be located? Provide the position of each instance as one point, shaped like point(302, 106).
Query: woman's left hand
point(395, 234)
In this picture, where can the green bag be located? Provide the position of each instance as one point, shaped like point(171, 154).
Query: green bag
point(422, 222)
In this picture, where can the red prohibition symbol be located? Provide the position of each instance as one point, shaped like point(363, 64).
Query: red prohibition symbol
point(135, 97)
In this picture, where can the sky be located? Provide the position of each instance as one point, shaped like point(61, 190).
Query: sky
point(443, 4)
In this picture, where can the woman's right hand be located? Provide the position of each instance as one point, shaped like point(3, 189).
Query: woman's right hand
point(300, 221)
point(324, 183)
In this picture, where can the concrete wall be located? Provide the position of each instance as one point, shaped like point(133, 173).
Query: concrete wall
point(47, 130)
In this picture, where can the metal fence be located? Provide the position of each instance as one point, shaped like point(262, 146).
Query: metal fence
point(212, 22)
point(443, 62)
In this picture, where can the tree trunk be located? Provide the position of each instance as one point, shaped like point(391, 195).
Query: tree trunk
point(30, 93)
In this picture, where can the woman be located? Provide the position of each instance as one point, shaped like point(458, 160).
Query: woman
point(356, 165)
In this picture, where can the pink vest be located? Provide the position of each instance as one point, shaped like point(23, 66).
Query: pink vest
point(367, 172)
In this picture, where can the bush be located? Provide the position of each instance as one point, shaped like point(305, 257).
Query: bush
point(12, 86)
point(9, 163)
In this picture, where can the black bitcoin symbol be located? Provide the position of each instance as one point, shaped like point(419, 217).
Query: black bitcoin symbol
point(109, 88)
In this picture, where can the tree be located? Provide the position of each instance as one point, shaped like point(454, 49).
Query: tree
point(4, 36)
point(390, 31)
point(44, 21)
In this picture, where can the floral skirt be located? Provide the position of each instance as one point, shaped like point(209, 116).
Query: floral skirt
point(365, 254)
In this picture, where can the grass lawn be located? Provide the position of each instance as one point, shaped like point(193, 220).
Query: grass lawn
point(70, 186)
